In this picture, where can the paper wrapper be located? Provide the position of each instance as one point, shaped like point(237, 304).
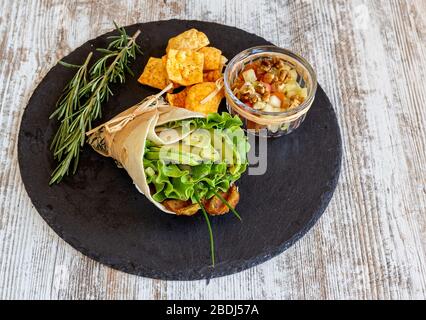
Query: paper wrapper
point(127, 144)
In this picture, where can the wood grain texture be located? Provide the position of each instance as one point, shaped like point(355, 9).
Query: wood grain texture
point(370, 57)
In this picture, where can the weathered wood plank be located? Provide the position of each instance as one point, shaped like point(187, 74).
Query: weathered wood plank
point(370, 58)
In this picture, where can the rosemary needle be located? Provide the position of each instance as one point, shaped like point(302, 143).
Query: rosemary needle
point(82, 99)
point(69, 101)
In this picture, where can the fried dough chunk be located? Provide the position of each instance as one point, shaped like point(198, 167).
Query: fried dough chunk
point(177, 99)
point(154, 74)
point(212, 58)
point(197, 93)
point(181, 208)
point(185, 67)
point(211, 76)
point(191, 39)
point(215, 207)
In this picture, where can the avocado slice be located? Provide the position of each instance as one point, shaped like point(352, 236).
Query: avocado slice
point(199, 138)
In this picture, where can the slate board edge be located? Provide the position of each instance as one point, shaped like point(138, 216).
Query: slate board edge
point(196, 275)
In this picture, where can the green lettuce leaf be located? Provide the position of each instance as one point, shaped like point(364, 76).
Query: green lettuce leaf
point(189, 180)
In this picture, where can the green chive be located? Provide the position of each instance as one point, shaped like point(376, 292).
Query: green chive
point(209, 227)
point(227, 204)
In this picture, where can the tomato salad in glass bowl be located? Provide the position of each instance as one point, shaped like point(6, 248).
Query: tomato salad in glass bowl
point(270, 88)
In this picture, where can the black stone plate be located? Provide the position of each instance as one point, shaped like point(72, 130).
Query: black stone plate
point(101, 214)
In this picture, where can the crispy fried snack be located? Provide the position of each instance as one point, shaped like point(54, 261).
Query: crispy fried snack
point(212, 58)
point(178, 99)
point(211, 76)
point(154, 74)
point(164, 60)
point(181, 208)
point(223, 61)
point(185, 67)
point(200, 91)
point(189, 40)
point(215, 207)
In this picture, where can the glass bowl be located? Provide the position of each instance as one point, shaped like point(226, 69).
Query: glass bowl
point(263, 123)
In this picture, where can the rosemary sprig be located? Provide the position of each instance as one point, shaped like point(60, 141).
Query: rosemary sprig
point(82, 100)
point(69, 101)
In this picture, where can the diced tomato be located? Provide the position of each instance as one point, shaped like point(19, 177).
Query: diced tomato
point(260, 73)
point(250, 66)
point(264, 78)
point(238, 84)
point(249, 104)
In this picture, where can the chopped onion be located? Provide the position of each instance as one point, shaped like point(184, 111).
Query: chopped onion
point(271, 108)
point(275, 101)
point(260, 105)
point(293, 74)
point(249, 75)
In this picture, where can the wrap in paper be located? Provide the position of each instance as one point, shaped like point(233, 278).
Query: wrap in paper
point(127, 144)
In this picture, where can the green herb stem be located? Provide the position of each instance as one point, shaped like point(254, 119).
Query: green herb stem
point(82, 100)
point(217, 194)
point(206, 216)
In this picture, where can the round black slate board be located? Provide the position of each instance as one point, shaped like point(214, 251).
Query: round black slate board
point(100, 213)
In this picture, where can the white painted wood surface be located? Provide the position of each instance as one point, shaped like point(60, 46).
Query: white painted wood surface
point(370, 57)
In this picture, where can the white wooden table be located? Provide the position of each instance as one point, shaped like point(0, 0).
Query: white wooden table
point(370, 57)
